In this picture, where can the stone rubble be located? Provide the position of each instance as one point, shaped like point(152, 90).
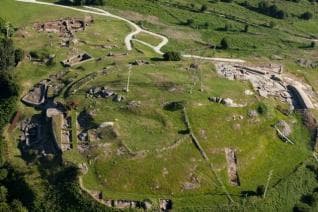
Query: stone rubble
point(66, 28)
point(225, 101)
point(105, 93)
point(267, 81)
point(232, 166)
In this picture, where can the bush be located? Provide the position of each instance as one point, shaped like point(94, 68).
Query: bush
point(7, 59)
point(83, 2)
point(203, 8)
point(174, 106)
point(313, 44)
point(260, 190)
point(225, 44)
point(301, 207)
point(189, 22)
point(172, 56)
point(306, 15)
point(308, 199)
point(261, 108)
point(18, 55)
point(246, 28)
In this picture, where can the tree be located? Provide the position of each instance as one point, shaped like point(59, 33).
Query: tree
point(306, 15)
point(301, 207)
point(3, 194)
point(17, 206)
point(18, 55)
point(172, 56)
point(246, 28)
point(189, 22)
point(261, 108)
point(7, 54)
point(3, 174)
point(225, 44)
point(203, 8)
point(228, 27)
point(260, 190)
point(313, 44)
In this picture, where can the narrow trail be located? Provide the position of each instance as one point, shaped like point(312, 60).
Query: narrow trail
point(137, 29)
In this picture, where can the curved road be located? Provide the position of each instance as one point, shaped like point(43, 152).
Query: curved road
point(130, 37)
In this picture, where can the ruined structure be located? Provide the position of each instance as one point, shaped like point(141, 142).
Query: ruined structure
point(48, 88)
point(303, 100)
point(232, 166)
point(77, 59)
point(34, 136)
point(36, 95)
point(61, 125)
point(30, 132)
point(105, 93)
point(64, 27)
point(270, 81)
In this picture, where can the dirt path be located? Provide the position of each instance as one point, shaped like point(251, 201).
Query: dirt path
point(130, 37)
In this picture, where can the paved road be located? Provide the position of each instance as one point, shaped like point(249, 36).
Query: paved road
point(130, 37)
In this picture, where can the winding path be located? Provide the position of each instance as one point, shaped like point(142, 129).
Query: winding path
point(130, 37)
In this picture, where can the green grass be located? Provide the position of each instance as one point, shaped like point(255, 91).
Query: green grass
point(148, 38)
point(57, 128)
point(159, 169)
point(259, 41)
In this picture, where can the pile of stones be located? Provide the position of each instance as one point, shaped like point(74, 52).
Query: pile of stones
point(30, 132)
point(225, 101)
point(266, 81)
point(105, 93)
point(140, 62)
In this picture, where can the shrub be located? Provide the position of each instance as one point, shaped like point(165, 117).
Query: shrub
point(306, 15)
point(260, 190)
point(203, 8)
point(301, 207)
point(174, 106)
point(246, 28)
point(261, 108)
point(225, 44)
point(172, 56)
point(83, 2)
point(308, 199)
point(228, 27)
point(18, 55)
point(189, 22)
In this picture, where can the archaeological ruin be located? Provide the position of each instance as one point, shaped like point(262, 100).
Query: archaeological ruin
point(232, 166)
point(270, 81)
point(77, 59)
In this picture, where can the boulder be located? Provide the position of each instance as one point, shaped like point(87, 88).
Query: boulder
point(227, 102)
point(284, 127)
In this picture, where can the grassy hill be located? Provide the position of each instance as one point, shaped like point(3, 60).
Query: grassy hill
point(153, 156)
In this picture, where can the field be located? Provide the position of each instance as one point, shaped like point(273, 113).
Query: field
point(152, 155)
